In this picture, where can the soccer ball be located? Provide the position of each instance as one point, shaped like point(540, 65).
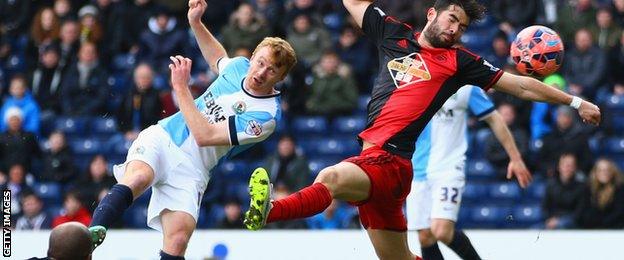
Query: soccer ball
point(537, 51)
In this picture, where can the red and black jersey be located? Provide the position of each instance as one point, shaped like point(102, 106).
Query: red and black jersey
point(413, 82)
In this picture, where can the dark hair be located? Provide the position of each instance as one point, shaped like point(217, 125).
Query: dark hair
point(474, 9)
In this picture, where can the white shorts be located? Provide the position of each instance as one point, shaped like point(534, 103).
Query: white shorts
point(437, 198)
point(178, 185)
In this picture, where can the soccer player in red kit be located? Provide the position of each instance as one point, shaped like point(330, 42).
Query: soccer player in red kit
point(418, 72)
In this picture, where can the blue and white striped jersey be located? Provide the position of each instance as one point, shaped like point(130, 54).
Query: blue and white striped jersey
point(442, 145)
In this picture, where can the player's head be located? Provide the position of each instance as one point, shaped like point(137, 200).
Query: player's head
point(70, 240)
point(448, 19)
point(270, 63)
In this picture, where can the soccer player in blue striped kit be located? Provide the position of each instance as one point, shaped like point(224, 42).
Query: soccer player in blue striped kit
point(175, 156)
point(439, 166)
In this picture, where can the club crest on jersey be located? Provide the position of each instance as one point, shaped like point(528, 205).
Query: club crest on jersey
point(408, 69)
point(253, 128)
point(239, 107)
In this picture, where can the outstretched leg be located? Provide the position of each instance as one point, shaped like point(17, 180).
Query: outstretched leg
point(137, 178)
point(178, 226)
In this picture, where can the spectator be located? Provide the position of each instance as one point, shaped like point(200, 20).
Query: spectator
point(332, 218)
point(286, 166)
point(356, 51)
point(273, 13)
point(499, 57)
point(16, 183)
point(58, 161)
point(141, 106)
point(44, 30)
point(73, 210)
point(278, 193)
point(16, 145)
point(233, 218)
point(110, 18)
point(514, 15)
point(603, 203)
point(63, 10)
point(308, 39)
point(162, 40)
point(45, 82)
point(561, 203)
point(96, 179)
point(303, 7)
point(584, 66)
point(68, 44)
point(605, 32)
point(14, 17)
point(616, 60)
point(574, 15)
point(245, 30)
point(494, 150)
point(33, 217)
point(617, 8)
point(85, 89)
point(136, 14)
point(333, 91)
point(21, 98)
point(567, 137)
point(90, 28)
point(544, 115)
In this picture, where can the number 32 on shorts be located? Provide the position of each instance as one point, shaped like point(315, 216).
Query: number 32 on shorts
point(454, 192)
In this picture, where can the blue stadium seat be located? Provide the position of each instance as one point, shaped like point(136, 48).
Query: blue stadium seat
point(135, 217)
point(120, 146)
point(474, 192)
point(537, 190)
point(54, 210)
point(488, 216)
point(50, 192)
point(505, 191)
point(349, 124)
point(528, 214)
point(234, 170)
point(618, 121)
point(480, 169)
point(615, 146)
point(615, 102)
point(71, 126)
point(310, 125)
point(103, 126)
point(335, 146)
point(477, 151)
point(123, 62)
point(86, 146)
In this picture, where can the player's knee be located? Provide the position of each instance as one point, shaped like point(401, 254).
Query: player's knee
point(176, 243)
point(329, 178)
point(426, 238)
point(138, 177)
point(443, 232)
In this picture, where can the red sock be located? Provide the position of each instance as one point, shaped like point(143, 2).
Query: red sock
point(307, 202)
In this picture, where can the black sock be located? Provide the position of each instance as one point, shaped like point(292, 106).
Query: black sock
point(431, 252)
point(462, 246)
point(112, 206)
point(165, 256)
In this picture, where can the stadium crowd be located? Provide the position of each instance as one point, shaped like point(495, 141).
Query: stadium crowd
point(80, 78)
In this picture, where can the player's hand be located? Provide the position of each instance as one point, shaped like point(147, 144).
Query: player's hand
point(180, 72)
point(589, 112)
point(518, 169)
point(196, 10)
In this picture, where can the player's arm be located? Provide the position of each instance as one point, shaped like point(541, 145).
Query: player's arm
point(205, 133)
point(357, 8)
point(210, 48)
point(531, 89)
point(516, 164)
